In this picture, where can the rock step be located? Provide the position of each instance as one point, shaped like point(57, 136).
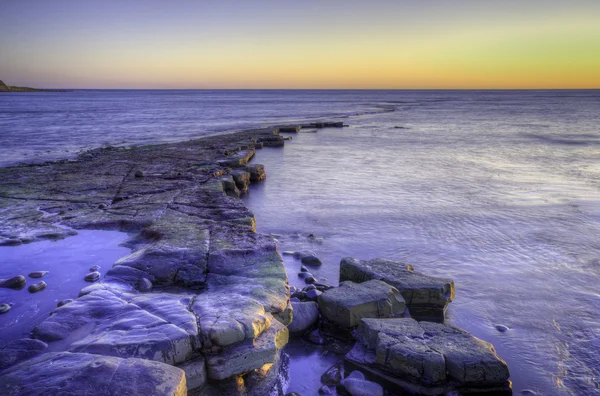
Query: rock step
point(426, 297)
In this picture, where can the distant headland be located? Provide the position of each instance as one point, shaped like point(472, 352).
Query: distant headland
point(9, 88)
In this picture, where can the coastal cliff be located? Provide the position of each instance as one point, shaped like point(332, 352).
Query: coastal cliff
point(8, 88)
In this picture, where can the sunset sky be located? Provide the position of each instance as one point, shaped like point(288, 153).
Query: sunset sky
point(300, 44)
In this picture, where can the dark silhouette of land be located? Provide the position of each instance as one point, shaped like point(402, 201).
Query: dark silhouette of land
point(9, 88)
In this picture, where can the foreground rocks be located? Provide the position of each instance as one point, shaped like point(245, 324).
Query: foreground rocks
point(426, 358)
point(85, 374)
point(200, 305)
point(426, 297)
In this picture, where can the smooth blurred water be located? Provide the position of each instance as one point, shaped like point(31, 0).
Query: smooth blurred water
point(37, 127)
point(496, 189)
point(499, 191)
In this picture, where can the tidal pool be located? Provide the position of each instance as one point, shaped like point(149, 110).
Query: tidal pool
point(67, 260)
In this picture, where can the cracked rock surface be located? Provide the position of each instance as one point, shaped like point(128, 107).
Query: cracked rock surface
point(200, 290)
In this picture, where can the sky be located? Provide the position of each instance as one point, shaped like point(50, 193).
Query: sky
point(350, 44)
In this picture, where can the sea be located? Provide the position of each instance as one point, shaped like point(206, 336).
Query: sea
point(498, 190)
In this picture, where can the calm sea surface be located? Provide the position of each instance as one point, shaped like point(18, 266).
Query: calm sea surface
point(499, 190)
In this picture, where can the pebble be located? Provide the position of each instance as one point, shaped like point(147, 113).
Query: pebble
point(145, 285)
point(139, 173)
point(309, 288)
point(502, 328)
point(304, 275)
point(95, 268)
point(92, 276)
point(334, 375)
point(36, 287)
point(303, 268)
point(4, 308)
point(64, 302)
point(38, 274)
point(310, 260)
point(312, 295)
point(310, 279)
point(15, 282)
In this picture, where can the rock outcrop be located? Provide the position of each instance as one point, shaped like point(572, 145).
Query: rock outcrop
point(426, 297)
point(426, 358)
point(202, 296)
point(8, 88)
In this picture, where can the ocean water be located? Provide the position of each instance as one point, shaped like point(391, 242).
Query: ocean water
point(499, 190)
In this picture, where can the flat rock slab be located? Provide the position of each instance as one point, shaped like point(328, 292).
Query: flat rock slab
point(426, 357)
point(426, 297)
point(347, 304)
point(80, 374)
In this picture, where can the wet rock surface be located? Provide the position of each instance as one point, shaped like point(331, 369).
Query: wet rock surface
point(426, 358)
point(200, 290)
point(426, 297)
point(86, 374)
point(16, 282)
point(305, 317)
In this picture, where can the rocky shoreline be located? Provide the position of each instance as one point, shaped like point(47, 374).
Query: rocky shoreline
point(202, 305)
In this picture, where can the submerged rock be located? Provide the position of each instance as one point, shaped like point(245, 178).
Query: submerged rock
point(334, 375)
point(357, 385)
point(36, 287)
point(15, 282)
point(145, 285)
point(347, 304)
point(92, 276)
point(4, 308)
point(94, 268)
point(426, 357)
point(139, 174)
point(426, 297)
point(38, 274)
point(501, 328)
point(305, 317)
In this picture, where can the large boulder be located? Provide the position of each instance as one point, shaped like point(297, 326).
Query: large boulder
point(347, 304)
point(426, 357)
point(81, 374)
point(426, 297)
point(304, 317)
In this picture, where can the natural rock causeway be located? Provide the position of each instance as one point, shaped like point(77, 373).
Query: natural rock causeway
point(202, 304)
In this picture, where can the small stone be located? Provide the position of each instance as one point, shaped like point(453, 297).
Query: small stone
point(326, 390)
point(303, 268)
point(288, 253)
point(145, 285)
point(313, 295)
point(102, 206)
point(303, 275)
point(38, 274)
point(309, 288)
point(95, 268)
point(502, 328)
point(16, 282)
point(334, 375)
point(293, 289)
point(36, 287)
point(92, 276)
point(310, 260)
point(310, 279)
point(4, 308)
point(64, 302)
point(139, 174)
point(361, 387)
